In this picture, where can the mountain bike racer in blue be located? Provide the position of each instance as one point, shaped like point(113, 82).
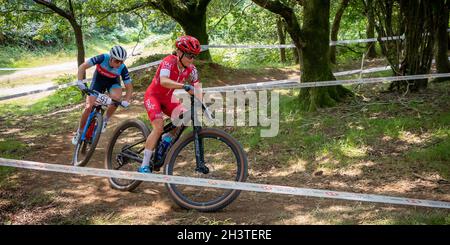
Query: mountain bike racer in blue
point(109, 68)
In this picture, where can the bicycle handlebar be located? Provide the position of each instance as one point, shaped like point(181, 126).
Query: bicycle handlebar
point(96, 93)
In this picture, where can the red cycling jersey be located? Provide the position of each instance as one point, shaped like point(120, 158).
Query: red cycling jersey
point(169, 68)
point(157, 98)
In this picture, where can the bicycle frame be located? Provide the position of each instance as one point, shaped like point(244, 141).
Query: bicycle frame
point(95, 109)
point(198, 143)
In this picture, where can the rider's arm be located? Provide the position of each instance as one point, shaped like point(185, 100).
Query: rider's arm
point(198, 91)
point(195, 82)
point(129, 91)
point(169, 83)
point(128, 85)
point(82, 70)
point(89, 63)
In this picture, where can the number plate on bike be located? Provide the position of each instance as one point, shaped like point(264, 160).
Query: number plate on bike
point(103, 99)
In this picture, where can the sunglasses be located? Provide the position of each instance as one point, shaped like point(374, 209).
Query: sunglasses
point(117, 61)
point(190, 56)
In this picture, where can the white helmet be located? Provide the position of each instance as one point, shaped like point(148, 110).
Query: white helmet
point(118, 53)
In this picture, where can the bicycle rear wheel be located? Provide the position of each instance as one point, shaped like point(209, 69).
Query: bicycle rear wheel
point(85, 148)
point(226, 160)
point(125, 152)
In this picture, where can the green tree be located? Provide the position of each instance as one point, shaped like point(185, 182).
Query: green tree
point(281, 38)
point(335, 28)
point(420, 25)
point(370, 29)
point(388, 23)
point(69, 10)
point(313, 42)
point(442, 9)
point(191, 15)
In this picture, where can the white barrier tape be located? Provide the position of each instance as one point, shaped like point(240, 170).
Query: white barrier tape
point(206, 47)
point(145, 66)
point(294, 83)
point(359, 71)
point(332, 43)
point(279, 84)
point(13, 69)
point(370, 70)
point(223, 184)
point(12, 96)
point(155, 63)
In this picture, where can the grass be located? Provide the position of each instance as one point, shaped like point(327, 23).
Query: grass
point(10, 148)
point(333, 140)
point(435, 217)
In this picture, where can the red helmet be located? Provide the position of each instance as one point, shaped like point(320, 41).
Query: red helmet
point(188, 44)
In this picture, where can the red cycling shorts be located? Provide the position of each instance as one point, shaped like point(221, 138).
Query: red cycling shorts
point(157, 105)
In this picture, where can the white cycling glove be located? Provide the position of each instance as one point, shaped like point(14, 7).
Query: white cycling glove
point(125, 103)
point(81, 85)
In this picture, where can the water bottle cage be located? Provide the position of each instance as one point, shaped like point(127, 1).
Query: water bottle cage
point(161, 152)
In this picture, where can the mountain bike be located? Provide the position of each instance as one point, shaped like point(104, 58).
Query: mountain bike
point(92, 129)
point(203, 153)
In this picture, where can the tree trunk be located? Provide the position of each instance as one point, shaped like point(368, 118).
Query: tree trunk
point(281, 38)
point(195, 25)
point(442, 12)
point(296, 55)
point(370, 30)
point(315, 57)
point(420, 24)
point(386, 13)
point(335, 28)
point(80, 43)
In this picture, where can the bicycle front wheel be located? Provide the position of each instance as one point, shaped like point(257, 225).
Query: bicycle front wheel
point(226, 160)
point(125, 152)
point(85, 148)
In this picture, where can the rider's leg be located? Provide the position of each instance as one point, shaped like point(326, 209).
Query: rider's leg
point(153, 107)
point(152, 139)
point(174, 108)
point(116, 94)
point(90, 100)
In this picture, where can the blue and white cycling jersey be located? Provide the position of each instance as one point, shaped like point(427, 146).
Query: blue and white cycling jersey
point(107, 76)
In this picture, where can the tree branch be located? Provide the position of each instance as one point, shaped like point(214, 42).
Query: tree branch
point(288, 15)
point(71, 8)
point(55, 8)
point(25, 10)
point(129, 9)
point(223, 16)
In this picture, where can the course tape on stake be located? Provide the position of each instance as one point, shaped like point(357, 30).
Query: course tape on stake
point(332, 43)
point(55, 87)
point(294, 83)
point(222, 184)
point(269, 46)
